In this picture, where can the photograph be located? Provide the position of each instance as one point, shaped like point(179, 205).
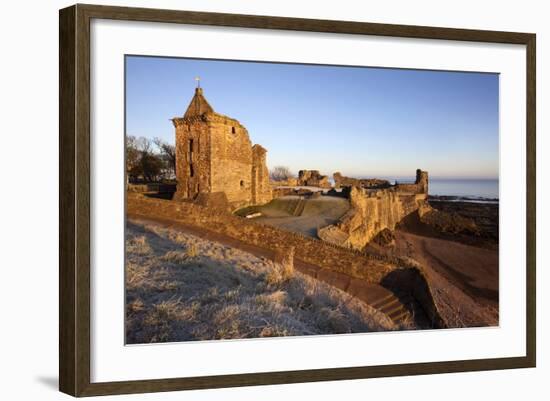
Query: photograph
point(271, 199)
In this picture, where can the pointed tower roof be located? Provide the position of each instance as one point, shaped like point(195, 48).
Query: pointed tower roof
point(198, 106)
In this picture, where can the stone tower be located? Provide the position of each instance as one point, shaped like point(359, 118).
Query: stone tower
point(214, 154)
point(422, 181)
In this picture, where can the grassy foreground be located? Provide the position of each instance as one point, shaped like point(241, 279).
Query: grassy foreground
point(180, 287)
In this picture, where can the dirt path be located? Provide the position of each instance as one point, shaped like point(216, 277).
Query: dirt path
point(380, 298)
point(474, 270)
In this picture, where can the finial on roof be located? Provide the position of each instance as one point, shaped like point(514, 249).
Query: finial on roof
point(198, 79)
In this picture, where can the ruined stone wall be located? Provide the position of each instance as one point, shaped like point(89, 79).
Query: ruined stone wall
point(214, 154)
point(371, 211)
point(289, 182)
point(422, 181)
point(231, 159)
point(407, 188)
point(192, 157)
point(342, 181)
point(279, 192)
point(261, 188)
point(151, 187)
point(420, 185)
point(312, 178)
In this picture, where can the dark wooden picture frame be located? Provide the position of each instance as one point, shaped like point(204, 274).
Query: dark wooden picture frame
point(74, 203)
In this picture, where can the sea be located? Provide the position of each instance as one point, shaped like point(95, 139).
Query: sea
point(461, 189)
point(464, 188)
point(455, 189)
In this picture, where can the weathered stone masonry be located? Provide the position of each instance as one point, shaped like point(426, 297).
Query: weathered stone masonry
point(214, 154)
point(420, 185)
point(342, 181)
point(312, 178)
point(373, 210)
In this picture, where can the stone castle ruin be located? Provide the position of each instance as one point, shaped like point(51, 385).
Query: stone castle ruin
point(312, 178)
point(420, 185)
point(220, 170)
point(376, 209)
point(341, 181)
point(214, 155)
point(218, 167)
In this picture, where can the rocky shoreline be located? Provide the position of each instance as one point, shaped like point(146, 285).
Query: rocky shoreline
point(484, 214)
point(454, 198)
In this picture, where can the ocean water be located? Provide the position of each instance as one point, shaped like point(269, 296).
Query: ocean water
point(470, 188)
point(462, 188)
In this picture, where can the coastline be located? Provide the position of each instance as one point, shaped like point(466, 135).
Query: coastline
point(466, 199)
point(485, 215)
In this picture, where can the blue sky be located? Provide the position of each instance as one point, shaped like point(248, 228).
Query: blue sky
point(356, 120)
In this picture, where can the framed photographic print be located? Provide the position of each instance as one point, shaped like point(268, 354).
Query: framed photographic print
point(250, 200)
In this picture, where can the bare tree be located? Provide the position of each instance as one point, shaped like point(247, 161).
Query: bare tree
point(132, 159)
point(280, 173)
point(141, 160)
point(151, 163)
point(168, 154)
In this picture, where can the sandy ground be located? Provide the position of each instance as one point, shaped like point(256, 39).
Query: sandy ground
point(464, 277)
point(473, 269)
point(318, 212)
point(180, 287)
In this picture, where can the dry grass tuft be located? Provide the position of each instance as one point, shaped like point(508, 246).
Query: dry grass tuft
point(278, 275)
point(138, 245)
point(192, 251)
point(283, 268)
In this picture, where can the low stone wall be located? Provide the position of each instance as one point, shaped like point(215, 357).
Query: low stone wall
point(289, 182)
point(279, 192)
point(151, 187)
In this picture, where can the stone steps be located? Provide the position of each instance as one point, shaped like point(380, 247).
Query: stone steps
point(384, 301)
point(295, 207)
point(402, 316)
point(299, 207)
point(391, 306)
point(375, 295)
point(291, 206)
